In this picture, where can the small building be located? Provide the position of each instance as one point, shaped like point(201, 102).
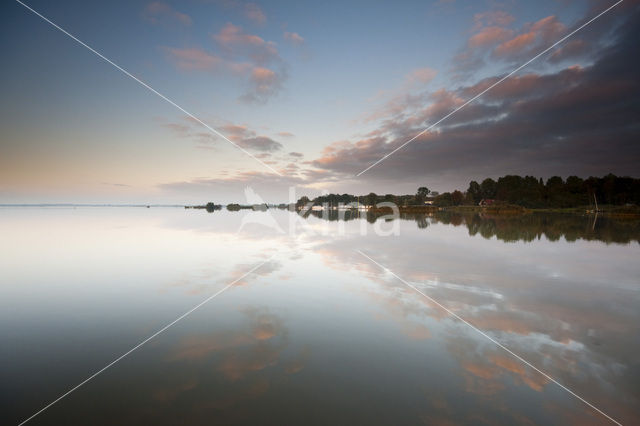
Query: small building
point(486, 202)
point(428, 203)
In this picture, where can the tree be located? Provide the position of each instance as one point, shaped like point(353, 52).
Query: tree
point(211, 207)
point(474, 193)
point(422, 194)
point(443, 200)
point(488, 188)
point(302, 202)
point(371, 199)
point(457, 198)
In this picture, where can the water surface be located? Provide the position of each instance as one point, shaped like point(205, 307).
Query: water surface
point(318, 334)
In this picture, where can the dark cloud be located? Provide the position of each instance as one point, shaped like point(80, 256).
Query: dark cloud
point(576, 120)
point(241, 135)
point(260, 143)
point(494, 40)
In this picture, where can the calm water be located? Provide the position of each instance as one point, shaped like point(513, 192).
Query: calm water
point(318, 334)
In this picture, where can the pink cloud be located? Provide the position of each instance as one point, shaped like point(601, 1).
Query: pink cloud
point(489, 36)
point(243, 55)
point(193, 59)
point(534, 37)
point(253, 12)
point(157, 12)
point(421, 75)
point(549, 28)
point(492, 18)
point(516, 44)
point(231, 35)
point(238, 43)
point(294, 38)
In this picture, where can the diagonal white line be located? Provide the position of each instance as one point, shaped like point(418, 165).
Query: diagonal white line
point(491, 87)
point(518, 357)
point(146, 340)
point(127, 73)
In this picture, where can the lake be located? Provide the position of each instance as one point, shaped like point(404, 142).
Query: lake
point(325, 324)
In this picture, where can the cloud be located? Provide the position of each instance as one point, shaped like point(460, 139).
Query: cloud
point(261, 143)
point(241, 135)
point(159, 12)
point(116, 184)
point(238, 43)
point(403, 96)
point(536, 37)
point(516, 44)
point(254, 13)
point(294, 38)
point(265, 83)
point(421, 75)
point(265, 71)
point(179, 129)
point(571, 49)
point(242, 55)
point(194, 59)
point(489, 36)
point(492, 17)
point(247, 138)
point(271, 188)
point(296, 154)
point(493, 40)
point(286, 134)
point(576, 120)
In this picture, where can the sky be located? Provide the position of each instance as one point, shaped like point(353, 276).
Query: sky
point(315, 92)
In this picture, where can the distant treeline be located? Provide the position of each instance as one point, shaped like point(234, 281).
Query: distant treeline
point(528, 191)
point(233, 207)
point(555, 192)
point(210, 207)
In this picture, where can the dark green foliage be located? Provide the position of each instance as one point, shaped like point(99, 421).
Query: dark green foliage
point(236, 207)
point(422, 194)
point(443, 200)
point(371, 199)
point(211, 207)
point(528, 191)
point(457, 198)
point(474, 193)
point(488, 188)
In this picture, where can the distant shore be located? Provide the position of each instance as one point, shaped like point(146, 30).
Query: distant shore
point(510, 209)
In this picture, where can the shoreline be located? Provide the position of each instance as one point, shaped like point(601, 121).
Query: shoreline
point(510, 209)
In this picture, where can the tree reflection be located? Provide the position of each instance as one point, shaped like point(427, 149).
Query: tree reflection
point(534, 226)
point(512, 228)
